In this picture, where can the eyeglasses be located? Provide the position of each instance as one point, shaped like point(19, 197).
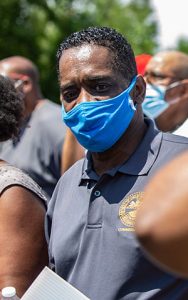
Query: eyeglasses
point(153, 77)
point(17, 83)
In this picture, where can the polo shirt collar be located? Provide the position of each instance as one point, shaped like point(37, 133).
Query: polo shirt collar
point(140, 161)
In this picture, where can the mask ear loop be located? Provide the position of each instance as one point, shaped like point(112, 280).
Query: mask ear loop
point(131, 85)
point(174, 84)
point(129, 89)
point(171, 86)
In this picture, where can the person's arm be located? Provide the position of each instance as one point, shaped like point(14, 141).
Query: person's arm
point(23, 249)
point(71, 152)
point(162, 220)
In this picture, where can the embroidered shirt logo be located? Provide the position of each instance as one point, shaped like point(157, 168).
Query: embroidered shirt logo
point(128, 210)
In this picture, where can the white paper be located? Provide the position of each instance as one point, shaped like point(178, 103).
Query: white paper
point(49, 286)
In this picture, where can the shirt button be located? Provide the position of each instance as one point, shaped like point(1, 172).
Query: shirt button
point(97, 193)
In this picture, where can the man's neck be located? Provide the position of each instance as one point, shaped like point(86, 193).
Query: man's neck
point(122, 150)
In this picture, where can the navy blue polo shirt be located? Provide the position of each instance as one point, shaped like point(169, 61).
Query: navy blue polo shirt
point(90, 226)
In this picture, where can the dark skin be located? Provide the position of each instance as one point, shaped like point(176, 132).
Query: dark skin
point(71, 151)
point(86, 74)
point(162, 223)
point(23, 251)
point(167, 68)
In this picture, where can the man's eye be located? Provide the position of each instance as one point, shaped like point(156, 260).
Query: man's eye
point(70, 95)
point(102, 87)
point(155, 75)
point(159, 76)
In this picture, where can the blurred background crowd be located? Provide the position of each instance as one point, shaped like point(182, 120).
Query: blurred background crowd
point(33, 29)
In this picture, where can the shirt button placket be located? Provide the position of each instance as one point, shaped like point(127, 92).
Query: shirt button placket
point(95, 212)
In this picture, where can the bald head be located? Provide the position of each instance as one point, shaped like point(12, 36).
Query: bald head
point(26, 79)
point(167, 67)
point(19, 65)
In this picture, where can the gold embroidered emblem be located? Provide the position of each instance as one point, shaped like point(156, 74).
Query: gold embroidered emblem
point(128, 210)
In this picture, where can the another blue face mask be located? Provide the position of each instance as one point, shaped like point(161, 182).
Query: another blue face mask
point(99, 125)
point(154, 103)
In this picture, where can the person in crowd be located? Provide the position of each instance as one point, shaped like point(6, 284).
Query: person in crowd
point(166, 99)
point(23, 251)
point(72, 150)
point(162, 223)
point(37, 150)
point(91, 217)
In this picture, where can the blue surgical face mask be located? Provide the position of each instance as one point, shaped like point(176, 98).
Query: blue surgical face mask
point(154, 103)
point(99, 125)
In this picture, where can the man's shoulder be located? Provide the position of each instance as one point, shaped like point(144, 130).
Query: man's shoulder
point(68, 184)
point(53, 105)
point(48, 120)
point(73, 175)
point(175, 139)
point(48, 110)
point(171, 146)
point(76, 168)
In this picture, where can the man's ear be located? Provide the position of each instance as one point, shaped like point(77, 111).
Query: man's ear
point(139, 90)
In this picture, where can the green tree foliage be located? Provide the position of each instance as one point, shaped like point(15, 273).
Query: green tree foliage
point(34, 28)
point(183, 45)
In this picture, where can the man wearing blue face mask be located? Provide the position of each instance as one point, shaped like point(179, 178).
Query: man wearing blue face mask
point(166, 98)
point(91, 216)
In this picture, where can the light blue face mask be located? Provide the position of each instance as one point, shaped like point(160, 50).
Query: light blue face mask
point(98, 125)
point(154, 103)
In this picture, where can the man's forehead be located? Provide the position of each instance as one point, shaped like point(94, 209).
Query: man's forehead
point(7, 70)
point(86, 52)
point(86, 59)
point(155, 63)
point(164, 60)
point(4, 68)
point(158, 59)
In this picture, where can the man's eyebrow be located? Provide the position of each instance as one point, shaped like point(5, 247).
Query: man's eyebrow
point(87, 78)
point(98, 78)
point(156, 74)
point(66, 86)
